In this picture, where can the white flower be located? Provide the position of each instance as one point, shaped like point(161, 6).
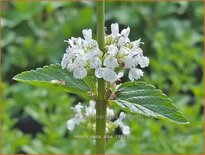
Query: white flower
point(135, 74)
point(110, 113)
point(80, 61)
point(112, 50)
point(120, 75)
point(78, 67)
point(78, 117)
point(92, 53)
point(70, 41)
point(122, 116)
point(90, 111)
point(123, 41)
point(71, 67)
point(70, 124)
point(135, 58)
point(115, 30)
point(83, 55)
point(110, 62)
point(137, 43)
point(80, 73)
point(65, 61)
point(77, 51)
point(70, 53)
point(125, 32)
point(87, 33)
point(124, 51)
point(67, 57)
point(129, 62)
point(143, 62)
point(109, 75)
point(74, 41)
point(132, 60)
point(95, 63)
point(99, 72)
point(125, 129)
point(124, 37)
point(78, 108)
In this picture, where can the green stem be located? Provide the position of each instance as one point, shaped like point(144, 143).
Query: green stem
point(101, 105)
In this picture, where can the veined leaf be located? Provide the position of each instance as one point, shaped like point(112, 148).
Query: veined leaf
point(55, 77)
point(139, 97)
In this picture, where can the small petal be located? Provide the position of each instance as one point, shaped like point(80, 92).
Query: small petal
point(95, 63)
point(109, 75)
point(125, 32)
point(75, 41)
point(80, 73)
point(137, 43)
point(92, 104)
point(125, 130)
point(115, 30)
point(99, 72)
point(92, 53)
point(120, 75)
point(69, 41)
point(70, 67)
point(129, 62)
point(135, 53)
point(94, 44)
point(70, 124)
point(135, 74)
point(87, 33)
point(110, 62)
point(144, 62)
point(78, 118)
point(110, 113)
point(77, 51)
point(124, 50)
point(119, 122)
point(70, 52)
point(90, 111)
point(65, 61)
point(112, 50)
point(137, 50)
point(78, 108)
point(80, 61)
point(122, 41)
point(122, 116)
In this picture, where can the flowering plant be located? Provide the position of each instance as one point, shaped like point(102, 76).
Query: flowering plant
point(93, 69)
point(83, 55)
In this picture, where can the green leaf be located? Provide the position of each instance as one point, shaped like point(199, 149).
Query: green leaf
point(54, 77)
point(139, 97)
point(90, 82)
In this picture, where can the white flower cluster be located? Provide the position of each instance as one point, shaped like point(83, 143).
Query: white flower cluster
point(83, 55)
point(81, 114)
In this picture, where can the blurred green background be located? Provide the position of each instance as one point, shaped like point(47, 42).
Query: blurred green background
point(34, 119)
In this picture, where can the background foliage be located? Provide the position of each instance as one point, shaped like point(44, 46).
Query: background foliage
point(33, 119)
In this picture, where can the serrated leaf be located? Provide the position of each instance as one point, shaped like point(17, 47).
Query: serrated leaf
point(55, 77)
point(139, 97)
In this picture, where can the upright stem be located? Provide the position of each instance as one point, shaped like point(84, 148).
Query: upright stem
point(101, 102)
